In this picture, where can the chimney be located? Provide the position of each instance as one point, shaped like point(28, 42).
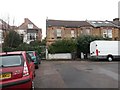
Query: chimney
point(25, 19)
point(116, 19)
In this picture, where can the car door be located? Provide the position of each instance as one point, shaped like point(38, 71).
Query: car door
point(31, 66)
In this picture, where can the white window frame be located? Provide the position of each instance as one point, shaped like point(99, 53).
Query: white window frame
point(30, 26)
point(72, 33)
point(110, 33)
point(104, 33)
point(107, 33)
point(86, 31)
point(58, 32)
point(33, 36)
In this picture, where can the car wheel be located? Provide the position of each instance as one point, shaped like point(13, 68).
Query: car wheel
point(32, 86)
point(34, 74)
point(110, 58)
point(36, 67)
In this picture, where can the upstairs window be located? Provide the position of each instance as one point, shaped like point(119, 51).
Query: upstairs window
point(107, 33)
point(110, 33)
point(58, 33)
point(1, 36)
point(87, 31)
point(31, 36)
point(72, 33)
point(30, 26)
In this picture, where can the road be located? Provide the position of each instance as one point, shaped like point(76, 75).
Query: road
point(77, 74)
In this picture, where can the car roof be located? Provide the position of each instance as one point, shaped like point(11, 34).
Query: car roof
point(14, 52)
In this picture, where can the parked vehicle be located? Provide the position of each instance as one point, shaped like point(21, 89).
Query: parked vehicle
point(101, 49)
point(17, 70)
point(35, 56)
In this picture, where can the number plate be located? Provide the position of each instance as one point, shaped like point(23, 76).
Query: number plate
point(5, 75)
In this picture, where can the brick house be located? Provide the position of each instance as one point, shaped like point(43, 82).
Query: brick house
point(61, 29)
point(29, 31)
point(104, 29)
point(116, 21)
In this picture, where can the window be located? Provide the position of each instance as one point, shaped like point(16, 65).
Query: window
point(99, 22)
point(58, 33)
point(30, 26)
point(28, 58)
point(0, 22)
point(104, 33)
point(93, 22)
point(31, 36)
point(1, 36)
point(10, 60)
point(72, 33)
point(86, 31)
point(107, 33)
point(110, 33)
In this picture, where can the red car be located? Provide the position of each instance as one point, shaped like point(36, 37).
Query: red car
point(17, 71)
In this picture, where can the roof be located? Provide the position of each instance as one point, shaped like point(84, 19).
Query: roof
point(4, 25)
point(14, 52)
point(117, 23)
point(65, 23)
point(24, 25)
point(101, 23)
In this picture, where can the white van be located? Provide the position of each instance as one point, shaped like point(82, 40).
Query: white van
point(102, 49)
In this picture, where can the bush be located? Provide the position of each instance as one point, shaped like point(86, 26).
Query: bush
point(62, 46)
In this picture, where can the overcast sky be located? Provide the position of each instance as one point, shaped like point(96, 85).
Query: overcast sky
point(38, 10)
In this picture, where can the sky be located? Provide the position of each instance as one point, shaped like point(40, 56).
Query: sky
point(38, 10)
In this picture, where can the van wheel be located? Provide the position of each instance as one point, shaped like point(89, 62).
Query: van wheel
point(110, 58)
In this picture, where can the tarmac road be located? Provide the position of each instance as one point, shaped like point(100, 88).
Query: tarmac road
point(77, 74)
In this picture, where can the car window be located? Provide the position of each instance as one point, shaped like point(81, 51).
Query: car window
point(10, 60)
point(31, 54)
point(28, 58)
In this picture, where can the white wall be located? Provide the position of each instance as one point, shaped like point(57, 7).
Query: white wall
point(60, 56)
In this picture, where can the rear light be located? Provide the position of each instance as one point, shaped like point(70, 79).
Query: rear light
point(25, 70)
point(35, 54)
point(96, 52)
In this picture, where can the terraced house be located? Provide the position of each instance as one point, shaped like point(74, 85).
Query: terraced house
point(104, 29)
point(61, 29)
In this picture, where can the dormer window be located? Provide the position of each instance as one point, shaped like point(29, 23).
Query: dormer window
point(30, 26)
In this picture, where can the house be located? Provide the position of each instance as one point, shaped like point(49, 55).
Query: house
point(62, 29)
point(116, 21)
point(104, 29)
point(29, 31)
point(4, 29)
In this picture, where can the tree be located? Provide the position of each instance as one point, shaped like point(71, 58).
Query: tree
point(83, 43)
point(62, 46)
point(43, 43)
point(12, 39)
